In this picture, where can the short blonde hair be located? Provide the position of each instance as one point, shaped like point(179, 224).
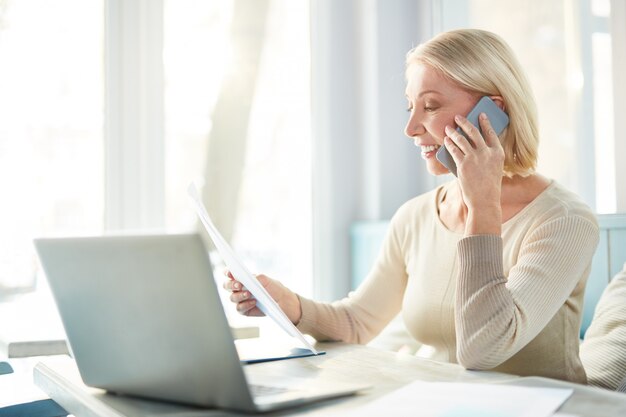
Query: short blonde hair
point(481, 62)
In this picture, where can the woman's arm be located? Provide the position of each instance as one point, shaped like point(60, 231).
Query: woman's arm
point(362, 315)
point(495, 316)
point(357, 318)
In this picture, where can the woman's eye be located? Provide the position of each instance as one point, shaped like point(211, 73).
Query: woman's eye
point(428, 109)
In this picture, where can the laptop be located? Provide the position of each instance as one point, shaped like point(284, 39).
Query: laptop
point(143, 317)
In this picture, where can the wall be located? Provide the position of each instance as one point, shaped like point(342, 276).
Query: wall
point(364, 168)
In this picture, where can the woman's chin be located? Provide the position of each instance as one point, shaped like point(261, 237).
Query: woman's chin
point(434, 167)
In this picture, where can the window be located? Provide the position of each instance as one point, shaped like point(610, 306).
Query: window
point(601, 66)
point(51, 154)
point(257, 166)
point(565, 48)
point(81, 158)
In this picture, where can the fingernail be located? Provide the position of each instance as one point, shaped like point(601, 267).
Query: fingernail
point(483, 116)
point(237, 286)
point(457, 118)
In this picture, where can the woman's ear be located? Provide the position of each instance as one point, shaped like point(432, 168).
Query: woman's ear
point(499, 102)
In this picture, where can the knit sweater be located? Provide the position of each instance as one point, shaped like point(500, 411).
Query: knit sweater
point(603, 352)
point(510, 303)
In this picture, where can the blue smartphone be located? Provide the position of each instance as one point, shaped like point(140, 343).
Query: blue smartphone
point(499, 120)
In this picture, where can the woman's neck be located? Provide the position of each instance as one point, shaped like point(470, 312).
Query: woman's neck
point(516, 193)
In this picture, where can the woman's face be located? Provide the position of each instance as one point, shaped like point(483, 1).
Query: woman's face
point(434, 100)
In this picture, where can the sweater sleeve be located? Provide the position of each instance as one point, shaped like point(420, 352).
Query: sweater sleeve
point(603, 351)
point(496, 316)
point(363, 314)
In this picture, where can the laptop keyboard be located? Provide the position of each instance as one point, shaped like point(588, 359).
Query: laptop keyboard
point(261, 390)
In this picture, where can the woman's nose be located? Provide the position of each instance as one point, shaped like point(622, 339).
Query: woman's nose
point(413, 127)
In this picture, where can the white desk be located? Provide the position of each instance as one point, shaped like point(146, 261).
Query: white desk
point(386, 371)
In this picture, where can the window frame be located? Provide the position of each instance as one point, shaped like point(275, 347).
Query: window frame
point(618, 40)
point(134, 133)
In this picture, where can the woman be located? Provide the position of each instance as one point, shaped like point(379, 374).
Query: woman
point(489, 269)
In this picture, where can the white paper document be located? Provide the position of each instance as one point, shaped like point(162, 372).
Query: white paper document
point(265, 302)
point(456, 399)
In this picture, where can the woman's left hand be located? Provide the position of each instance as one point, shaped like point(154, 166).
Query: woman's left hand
point(479, 169)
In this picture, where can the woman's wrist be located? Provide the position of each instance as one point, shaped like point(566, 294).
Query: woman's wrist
point(292, 307)
point(484, 220)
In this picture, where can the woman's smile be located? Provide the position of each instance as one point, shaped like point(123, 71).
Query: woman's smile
point(428, 151)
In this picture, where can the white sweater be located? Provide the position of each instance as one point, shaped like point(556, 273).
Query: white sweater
point(512, 303)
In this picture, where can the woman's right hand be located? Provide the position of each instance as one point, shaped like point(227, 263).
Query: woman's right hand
point(246, 304)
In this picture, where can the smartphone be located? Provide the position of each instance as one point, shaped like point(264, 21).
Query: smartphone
point(499, 120)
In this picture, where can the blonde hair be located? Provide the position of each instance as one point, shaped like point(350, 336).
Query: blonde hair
point(481, 62)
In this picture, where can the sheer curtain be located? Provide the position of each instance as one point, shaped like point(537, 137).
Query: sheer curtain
point(228, 138)
point(237, 94)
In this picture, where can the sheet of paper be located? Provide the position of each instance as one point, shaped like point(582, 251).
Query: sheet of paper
point(455, 399)
point(265, 302)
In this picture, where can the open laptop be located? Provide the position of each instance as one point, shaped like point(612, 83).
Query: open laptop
point(143, 317)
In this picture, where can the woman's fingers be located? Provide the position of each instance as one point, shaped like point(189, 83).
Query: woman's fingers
point(478, 145)
point(244, 301)
point(478, 140)
point(491, 138)
point(232, 285)
point(454, 151)
point(239, 296)
point(459, 140)
point(488, 137)
point(247, 307)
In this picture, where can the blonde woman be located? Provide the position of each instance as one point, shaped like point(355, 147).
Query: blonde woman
point(489, 269)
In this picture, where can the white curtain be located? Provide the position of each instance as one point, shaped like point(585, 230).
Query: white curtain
point(227, 141)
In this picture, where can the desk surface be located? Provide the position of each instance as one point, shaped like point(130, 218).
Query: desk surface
point(386, 371)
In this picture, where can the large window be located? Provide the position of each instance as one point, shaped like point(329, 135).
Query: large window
point(111, 107)
point(51, 154)
point(565, 48)
point(238, 121)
